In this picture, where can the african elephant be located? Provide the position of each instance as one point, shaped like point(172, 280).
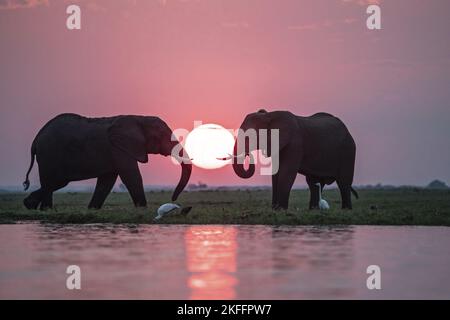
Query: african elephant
point(71, 147)
point(319, 147)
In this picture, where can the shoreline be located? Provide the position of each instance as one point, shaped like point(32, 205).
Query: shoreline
point(413, 207)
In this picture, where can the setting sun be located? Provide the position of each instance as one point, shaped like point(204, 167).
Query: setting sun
point(208, 142)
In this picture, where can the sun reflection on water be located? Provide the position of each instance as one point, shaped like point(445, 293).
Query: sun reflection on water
point(211, 256)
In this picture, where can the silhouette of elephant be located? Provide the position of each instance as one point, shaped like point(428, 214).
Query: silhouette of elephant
point(71, 147)
point(319, 147)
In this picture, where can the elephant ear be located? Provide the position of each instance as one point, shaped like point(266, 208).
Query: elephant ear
point(126, 134)
point(285, 127)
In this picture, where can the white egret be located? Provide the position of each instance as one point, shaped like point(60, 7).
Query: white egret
point(323, 204)
point(167, 208)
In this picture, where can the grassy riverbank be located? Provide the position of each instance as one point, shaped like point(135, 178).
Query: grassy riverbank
point(375, 207)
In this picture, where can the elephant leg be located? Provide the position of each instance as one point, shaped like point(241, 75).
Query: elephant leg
point(52, 178)
point(286, 177)
point(32, 201)
point(275, 191)
point(47, 194)
point(103, 187)
point(345, 190)
point(132, 179)
point(313, 193)
point(47, 200)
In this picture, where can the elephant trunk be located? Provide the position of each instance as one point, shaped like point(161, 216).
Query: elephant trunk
point(238, 163)
point(186, 169)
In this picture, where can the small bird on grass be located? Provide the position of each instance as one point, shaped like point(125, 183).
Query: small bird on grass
point(323, 204)
point(167, 208)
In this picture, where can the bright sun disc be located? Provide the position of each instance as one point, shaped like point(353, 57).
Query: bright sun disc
point(208, 142)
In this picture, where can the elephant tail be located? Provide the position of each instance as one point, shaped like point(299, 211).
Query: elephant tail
point(354, 192)
point(26, 183)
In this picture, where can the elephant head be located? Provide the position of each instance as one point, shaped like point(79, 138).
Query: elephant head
point(259, 121)
point(139, 136)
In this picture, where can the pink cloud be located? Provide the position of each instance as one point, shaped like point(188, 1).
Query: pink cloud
point(238, 24)
point(19, 4)
point(312, 26)
point(321, 25)
point(362, 2)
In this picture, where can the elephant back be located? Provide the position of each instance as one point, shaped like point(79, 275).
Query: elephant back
point(77, 146)
point(325, 138)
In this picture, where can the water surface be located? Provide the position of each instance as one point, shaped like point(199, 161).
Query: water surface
point(223, 262)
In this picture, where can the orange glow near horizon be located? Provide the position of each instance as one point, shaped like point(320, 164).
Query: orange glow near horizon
point(212, 261)
point(208, 142)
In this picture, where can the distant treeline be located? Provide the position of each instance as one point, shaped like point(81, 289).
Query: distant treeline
point(435, 184)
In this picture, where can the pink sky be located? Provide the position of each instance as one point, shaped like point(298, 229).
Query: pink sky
point(217, 60)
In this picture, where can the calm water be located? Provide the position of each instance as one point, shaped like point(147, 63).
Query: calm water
point(224, 262)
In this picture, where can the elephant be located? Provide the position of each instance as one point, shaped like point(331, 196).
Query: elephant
point(71, 147)
point(320, 147)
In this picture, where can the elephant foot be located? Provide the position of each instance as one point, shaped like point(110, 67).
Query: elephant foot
point(346, 205)
point(279, 207)
point(45, 207)
point(141, 205)
point(31, 203)
point(94, 207)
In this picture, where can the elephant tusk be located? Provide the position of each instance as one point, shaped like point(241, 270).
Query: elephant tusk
point(230, 156)
point(183, 159)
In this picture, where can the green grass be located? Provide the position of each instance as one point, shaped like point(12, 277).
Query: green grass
point(375, 207)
